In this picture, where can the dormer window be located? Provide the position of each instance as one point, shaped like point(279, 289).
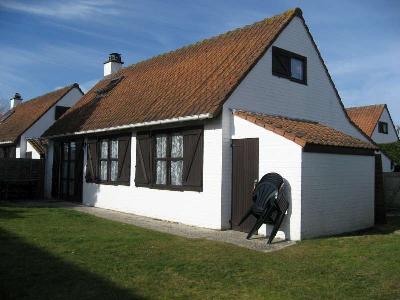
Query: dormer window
point(383, 127)
point(289, 65)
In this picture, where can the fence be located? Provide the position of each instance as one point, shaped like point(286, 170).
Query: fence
point(391, 184)
point(21, 178)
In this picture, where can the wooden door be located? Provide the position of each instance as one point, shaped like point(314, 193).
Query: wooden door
point(244, 176)
point(71, 174)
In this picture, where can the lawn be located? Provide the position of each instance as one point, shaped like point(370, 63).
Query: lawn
point(53, 253)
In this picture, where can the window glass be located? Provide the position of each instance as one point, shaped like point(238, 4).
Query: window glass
point(176, 172)
point(71, 188)
point(72, 150)
point(161, 170)
point(114, 149)
point(71, 170)
point(177, 146)
point(65, 151)
point(114, 170)
point(104, 149)
point(296, 66)
point(64, 186)
point(161, 142)
point(65, 169)
point(103, 170)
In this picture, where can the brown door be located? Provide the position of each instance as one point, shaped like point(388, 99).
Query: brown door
point(71, 171)
point(244, 175)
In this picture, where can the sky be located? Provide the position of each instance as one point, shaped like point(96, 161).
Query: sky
point(45, 45)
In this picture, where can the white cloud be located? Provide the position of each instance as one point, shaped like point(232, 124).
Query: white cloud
point(65, 9)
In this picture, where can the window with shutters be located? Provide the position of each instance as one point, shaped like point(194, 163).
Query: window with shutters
point(383, 127)
point(289, 65)
point(108, 160)
point(170, 159)
point(59, 111)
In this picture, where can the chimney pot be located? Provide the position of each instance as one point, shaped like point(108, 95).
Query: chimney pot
point(16, 100)
point(113, 64)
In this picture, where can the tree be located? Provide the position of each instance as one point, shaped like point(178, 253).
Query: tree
point(398, 129)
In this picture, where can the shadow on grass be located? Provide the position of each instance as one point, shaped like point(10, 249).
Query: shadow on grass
point(392, 225)
point(27, 272)
point(10, 214)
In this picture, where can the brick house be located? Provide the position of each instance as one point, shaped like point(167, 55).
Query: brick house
point(24, 123)
point(159, 138)
point(375, 121)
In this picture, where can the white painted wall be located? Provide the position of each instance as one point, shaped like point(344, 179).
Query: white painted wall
point(280, 155)
point(262, 92)
point(386, 164)
point(194, 208)
point(41, 125)
point(337, 193)
point(111, 67)
point(381, 138)
point(29, 148)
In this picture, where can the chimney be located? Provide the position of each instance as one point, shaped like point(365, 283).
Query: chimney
point(16, 100)
point(113, 64)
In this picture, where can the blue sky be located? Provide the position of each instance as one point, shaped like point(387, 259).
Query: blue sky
point(48, 44)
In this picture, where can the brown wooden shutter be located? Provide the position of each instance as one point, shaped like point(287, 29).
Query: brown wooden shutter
point(124, 159)
point(55, 184)
point(92, 161)
point(280, 62)
point(143, 174)
point(193, 158)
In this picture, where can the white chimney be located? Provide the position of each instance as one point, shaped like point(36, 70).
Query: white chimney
point(16, 100)
point(113, 64)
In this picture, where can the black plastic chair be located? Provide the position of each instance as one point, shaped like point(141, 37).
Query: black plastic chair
point(270, 204)
point(264, 194)
point(277, 212)
point(273, 178)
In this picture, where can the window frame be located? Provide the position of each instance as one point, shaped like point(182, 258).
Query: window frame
point(291, 55)
point(168, 159)
point(59, 111)
point(109, 159)
point(170, 131)
point(383, 127)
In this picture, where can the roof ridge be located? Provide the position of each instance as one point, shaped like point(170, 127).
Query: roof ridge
point(280, 116)
point(48, 93)
point(369, 105)
point(293, 11)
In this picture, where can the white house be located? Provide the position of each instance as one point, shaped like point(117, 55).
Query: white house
point(375, 121)
point(24, 123)
point(183, 136)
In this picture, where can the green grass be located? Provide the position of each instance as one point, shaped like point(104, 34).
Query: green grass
point(52, 253)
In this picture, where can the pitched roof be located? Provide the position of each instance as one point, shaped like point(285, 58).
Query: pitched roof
point(190, 81)
point(38, 145)
point(366, 117)
point(304, 132)
point(22, 117)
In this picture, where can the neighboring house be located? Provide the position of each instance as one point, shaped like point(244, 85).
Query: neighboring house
point(24, 123)
point(184, 136)
point(375, 121)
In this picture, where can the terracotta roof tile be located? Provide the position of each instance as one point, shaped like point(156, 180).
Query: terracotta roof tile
point(304, 132)
point(366, 117)
point(193, 80)
point(27, 113)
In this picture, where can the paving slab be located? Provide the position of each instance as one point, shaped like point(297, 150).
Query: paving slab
point(258, 243)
